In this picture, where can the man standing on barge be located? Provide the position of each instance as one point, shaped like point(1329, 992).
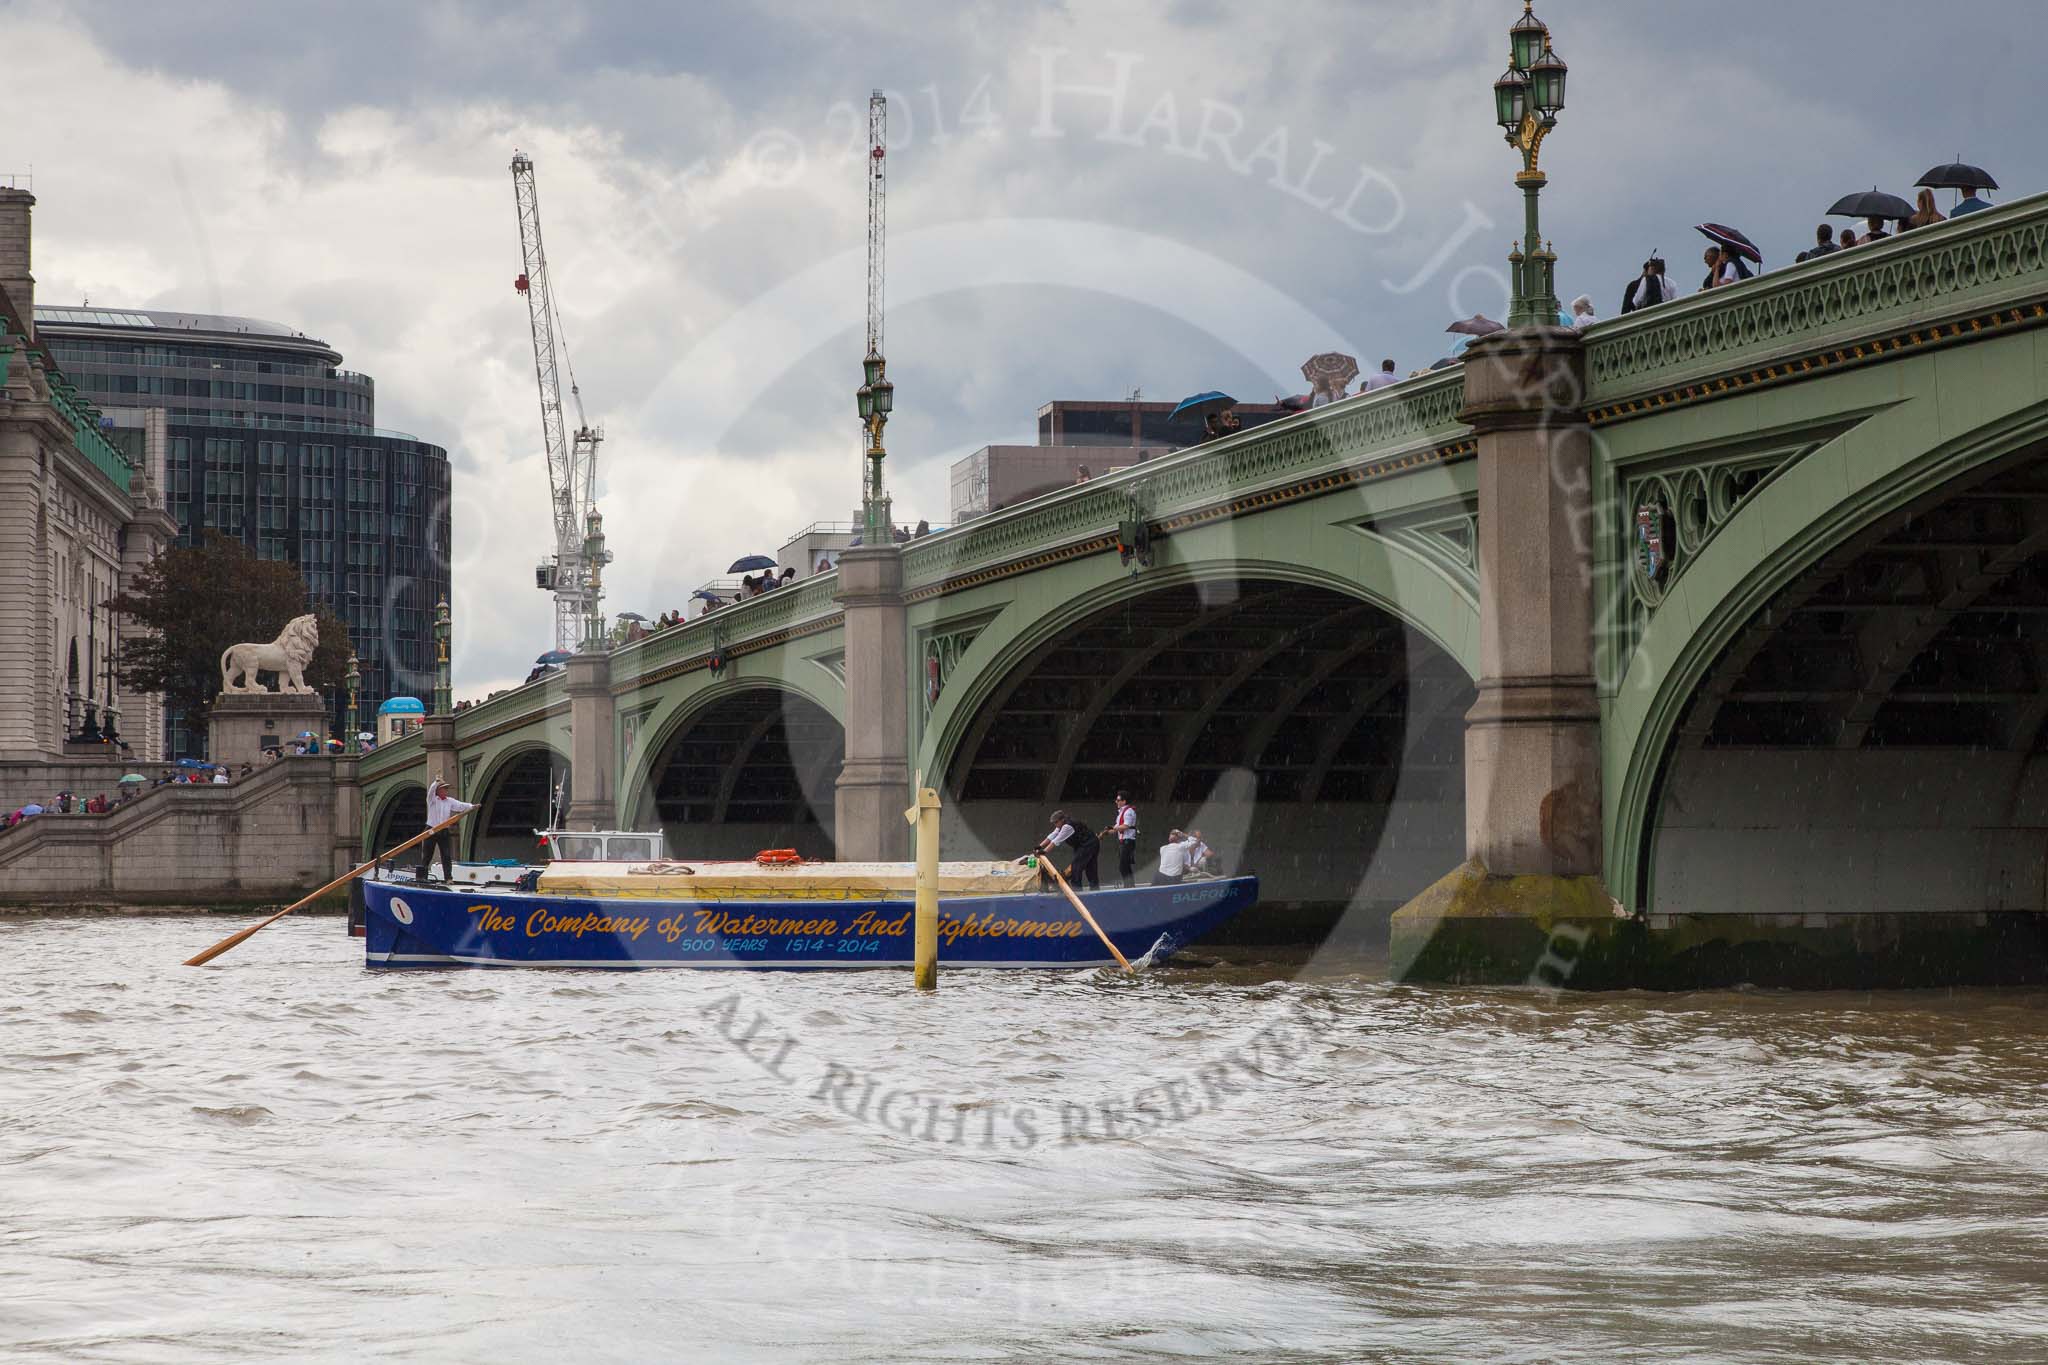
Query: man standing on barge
point(440, 806)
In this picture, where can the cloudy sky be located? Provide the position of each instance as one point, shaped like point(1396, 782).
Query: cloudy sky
point(1085, 199)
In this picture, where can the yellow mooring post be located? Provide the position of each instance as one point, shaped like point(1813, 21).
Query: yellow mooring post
point(924, 817)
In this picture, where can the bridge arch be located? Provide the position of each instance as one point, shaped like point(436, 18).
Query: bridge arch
point(1381, 572)
point(400, 813)
point(1845, 711)
point(514, 797)
point(744, 764)
point(1312, 733)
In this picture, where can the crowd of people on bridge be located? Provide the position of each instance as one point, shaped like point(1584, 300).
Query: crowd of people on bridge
point(1730, 259)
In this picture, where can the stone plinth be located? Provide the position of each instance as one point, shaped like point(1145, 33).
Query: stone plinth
point(239, 723)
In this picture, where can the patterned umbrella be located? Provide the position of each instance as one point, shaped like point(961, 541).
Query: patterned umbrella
point(1332, 367)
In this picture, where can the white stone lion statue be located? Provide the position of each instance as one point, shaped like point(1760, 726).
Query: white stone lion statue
point(286, 656)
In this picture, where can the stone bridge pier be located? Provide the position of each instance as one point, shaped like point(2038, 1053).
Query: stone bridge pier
point(1532, 739)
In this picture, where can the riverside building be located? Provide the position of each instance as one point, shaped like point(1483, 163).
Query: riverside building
point(79, 512)
point(268, 440)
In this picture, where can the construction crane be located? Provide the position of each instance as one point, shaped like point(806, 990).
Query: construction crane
point(573, 573)
point(877, 395)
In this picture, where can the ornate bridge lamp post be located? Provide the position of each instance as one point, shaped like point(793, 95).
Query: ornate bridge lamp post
point(354, 677)
point(1527, 99)
point(876, 398)
point(443, 690)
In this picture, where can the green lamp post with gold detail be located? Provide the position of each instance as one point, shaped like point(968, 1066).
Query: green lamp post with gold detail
point(352, 743)
point(1527, 99)
point(875, 398)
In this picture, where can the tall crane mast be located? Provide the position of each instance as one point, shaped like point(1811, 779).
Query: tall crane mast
point(878, 213)
point(877, 395)
point(572, 574)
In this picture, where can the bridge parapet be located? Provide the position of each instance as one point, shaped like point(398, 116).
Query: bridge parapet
point(1363, 437)
point(1930, 285)
point(758, 622)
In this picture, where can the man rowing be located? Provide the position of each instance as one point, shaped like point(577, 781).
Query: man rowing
point(440, 806)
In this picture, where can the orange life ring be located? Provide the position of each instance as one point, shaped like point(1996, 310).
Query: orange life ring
point(769, 856)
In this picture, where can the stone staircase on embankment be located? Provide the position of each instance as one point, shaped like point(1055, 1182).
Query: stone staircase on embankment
point(267, 836)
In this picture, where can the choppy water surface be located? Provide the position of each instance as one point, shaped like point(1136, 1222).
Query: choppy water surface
point(283, 1156)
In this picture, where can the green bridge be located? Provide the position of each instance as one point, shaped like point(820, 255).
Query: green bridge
point(1713, 634)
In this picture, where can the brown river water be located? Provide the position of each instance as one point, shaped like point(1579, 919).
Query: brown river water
point(1259, 1157)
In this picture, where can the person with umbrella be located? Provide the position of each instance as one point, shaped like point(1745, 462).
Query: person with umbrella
point(1875, 208)
point(1214, 408)
point(1726, 259)
point(1967, 180)
point(1467, 330)
point(1328, 376)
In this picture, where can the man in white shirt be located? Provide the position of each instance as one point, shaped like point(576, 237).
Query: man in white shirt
point(1125, 828)
point(1175, 857)
point(1082, 842)
point(440, 806)
point(1380, 378)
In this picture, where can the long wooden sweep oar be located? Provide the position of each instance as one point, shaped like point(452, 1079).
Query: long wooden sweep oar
point(1084, 915)
point(236, 938)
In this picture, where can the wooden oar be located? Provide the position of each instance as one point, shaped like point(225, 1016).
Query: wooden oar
point(236, 938)
point(1084, 915)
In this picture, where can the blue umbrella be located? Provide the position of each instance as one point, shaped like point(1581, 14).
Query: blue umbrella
point(1204, 404)
point(556, 656)
point(750, 563)
point(706, 595)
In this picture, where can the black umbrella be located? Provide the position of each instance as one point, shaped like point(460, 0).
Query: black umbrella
point(1872, 203)
point(1478, 325)
point(1735, 241)
point(750, 563)
point(1295, 403)
point(1957, 175)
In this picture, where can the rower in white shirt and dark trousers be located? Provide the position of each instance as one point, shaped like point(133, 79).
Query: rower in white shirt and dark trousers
point(1176, 857)
point(1082, 842)
point(1125, 828)
point(440, 805)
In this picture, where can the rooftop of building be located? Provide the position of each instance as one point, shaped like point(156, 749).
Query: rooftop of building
point(164, 325)
point(224, 323)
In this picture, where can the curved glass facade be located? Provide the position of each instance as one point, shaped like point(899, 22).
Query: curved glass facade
point(271, 443)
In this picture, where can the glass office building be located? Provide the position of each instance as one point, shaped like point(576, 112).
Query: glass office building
point(271, 442)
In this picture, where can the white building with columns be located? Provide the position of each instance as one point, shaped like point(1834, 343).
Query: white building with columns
point(79, 515)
